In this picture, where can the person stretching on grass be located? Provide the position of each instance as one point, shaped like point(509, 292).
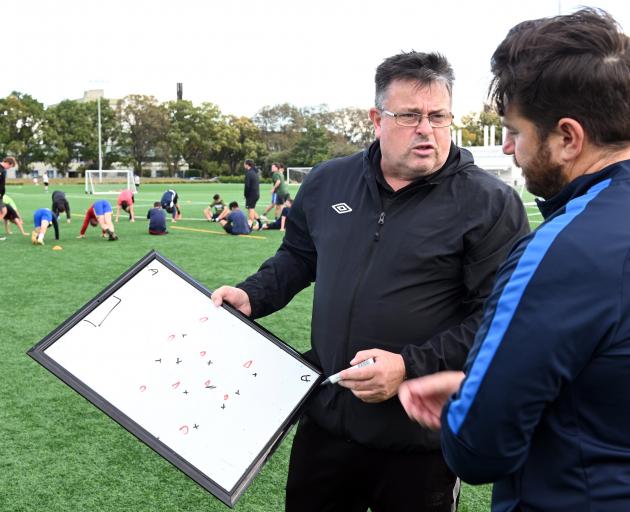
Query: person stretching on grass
point(157, 220)
point(43, 218)
point(8, 213)
point(216, 208)
point(99, 213)
point(235, 222)
point(60, 204)
point(125, 201)
point(281, 222)
point(8, 200)
point(169, 203)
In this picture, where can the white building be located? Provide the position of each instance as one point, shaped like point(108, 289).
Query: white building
point(490, 156)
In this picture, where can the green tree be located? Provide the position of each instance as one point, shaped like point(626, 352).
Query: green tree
point(145, 125)
point(280, 127)
point(71, 133)
point(21, 125)
point(241, 140)
point(473, 123)
point(194, 133)
point(313, 146)
point(353, 124)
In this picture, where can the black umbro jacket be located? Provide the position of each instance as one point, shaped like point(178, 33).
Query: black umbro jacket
point(409, 278)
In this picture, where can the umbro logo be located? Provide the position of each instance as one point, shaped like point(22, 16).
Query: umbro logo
point(341, 208)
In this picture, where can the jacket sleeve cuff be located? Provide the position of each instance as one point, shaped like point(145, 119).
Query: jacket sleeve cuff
point(411, 368)
point(255, 299)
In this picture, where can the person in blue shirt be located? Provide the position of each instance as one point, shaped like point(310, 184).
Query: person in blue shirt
point(542, 408)
point(235, 223)
point(43, 218)
point(157, 220)
point(169, 203)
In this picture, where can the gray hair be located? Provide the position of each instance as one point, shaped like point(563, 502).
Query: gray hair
point(422, 68)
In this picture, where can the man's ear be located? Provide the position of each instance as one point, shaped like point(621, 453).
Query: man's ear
point(375, 116)
point(570, 139)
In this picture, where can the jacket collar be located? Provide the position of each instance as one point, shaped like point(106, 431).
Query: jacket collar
point(578, 187)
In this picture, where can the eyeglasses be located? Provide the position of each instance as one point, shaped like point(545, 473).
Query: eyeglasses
point(437, 120)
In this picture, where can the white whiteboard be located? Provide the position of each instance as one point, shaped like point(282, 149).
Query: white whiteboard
point(206, 388)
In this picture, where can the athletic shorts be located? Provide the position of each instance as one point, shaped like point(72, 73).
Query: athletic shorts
point(280, 199)
point(102, 207)
point(42, 214)
point(250, 202)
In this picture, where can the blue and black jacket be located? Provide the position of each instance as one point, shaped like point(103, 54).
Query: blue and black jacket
point(544, 410)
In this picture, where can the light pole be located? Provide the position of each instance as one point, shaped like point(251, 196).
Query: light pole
point(100, 150)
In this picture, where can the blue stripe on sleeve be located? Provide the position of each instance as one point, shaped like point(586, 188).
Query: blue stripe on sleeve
point(509, 300)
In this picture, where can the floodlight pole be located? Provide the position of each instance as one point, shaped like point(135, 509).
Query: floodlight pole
point(100, 151)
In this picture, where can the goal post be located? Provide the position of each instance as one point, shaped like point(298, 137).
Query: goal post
point(102, 182)
point(297, 174)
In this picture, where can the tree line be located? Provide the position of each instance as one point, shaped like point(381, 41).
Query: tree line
point(138, 130)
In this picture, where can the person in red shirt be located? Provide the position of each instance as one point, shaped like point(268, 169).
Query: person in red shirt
point(125, 201)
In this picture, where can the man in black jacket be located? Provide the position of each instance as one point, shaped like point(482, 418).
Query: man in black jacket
point(6, 163)
point(403, 241)
point(252, 192)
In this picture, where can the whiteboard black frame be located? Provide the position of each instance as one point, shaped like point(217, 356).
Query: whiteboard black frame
point(230, 498)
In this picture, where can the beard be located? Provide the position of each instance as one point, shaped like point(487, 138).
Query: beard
point(542, 177)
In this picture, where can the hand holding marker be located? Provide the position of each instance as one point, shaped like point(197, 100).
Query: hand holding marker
point(333, 379)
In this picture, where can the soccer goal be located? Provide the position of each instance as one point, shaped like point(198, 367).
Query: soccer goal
point(297, 174)
point(109, 181)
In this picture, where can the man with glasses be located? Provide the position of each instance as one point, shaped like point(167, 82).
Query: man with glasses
point(418, 232)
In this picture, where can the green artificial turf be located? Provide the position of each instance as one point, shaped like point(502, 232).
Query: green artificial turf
point(57, 451)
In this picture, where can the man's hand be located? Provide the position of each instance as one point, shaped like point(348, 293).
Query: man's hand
point(425, 397)
point(376, 382)
point(234, 296)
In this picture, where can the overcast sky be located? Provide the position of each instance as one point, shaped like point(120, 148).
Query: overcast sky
point(245, 54)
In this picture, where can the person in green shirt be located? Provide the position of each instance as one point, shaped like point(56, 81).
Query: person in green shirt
point(8, 200)
point(217, 206)
point(279, 189)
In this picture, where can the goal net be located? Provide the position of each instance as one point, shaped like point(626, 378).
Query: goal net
point(109, 181)
point(297, 174)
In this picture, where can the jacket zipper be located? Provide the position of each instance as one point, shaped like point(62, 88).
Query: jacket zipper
point(377, 235)
point(381, 221)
